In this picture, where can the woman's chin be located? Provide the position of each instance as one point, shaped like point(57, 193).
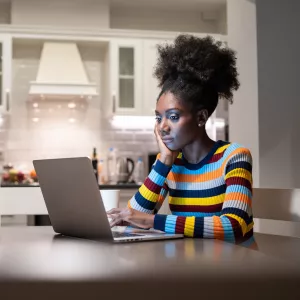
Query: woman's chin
point(172, 147)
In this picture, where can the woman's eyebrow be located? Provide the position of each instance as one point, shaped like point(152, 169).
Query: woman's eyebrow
point(169, 110)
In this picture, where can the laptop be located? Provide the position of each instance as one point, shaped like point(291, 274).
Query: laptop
point(74, 202)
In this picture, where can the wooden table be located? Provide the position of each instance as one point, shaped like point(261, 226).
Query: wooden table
point(36, 264)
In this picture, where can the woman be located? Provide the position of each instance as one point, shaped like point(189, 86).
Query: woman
point(209, 182)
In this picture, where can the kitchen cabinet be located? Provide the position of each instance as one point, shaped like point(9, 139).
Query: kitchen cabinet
point(133, 87)
point(126, 76)
point(5, 72)
point(151, 90)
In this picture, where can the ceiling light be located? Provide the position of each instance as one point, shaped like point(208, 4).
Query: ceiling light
point(72, 120)
point(35, 105)
point(35, 119)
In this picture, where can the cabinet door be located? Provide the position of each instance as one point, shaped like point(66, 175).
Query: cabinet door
point(151, 90)
point(5, 72)
point(125, 76)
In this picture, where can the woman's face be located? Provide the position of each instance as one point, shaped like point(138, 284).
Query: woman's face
point(177, 125)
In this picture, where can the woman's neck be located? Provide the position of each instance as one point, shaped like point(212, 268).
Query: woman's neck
point(197, 150)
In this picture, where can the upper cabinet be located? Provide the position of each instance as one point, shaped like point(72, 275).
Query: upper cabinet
point(126, 76)
point(5, 72)
point(133, 88)
point(150, 83)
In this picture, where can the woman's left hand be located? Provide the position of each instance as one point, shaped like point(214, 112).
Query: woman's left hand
point(128, 215)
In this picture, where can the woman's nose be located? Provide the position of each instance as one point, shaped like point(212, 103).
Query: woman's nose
point(164, 127)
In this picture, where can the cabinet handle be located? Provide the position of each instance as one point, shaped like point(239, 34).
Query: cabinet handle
point(7, 100)
point(114, 103)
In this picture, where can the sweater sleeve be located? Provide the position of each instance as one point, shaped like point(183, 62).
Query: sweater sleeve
point(154, 190)
point(236, 218)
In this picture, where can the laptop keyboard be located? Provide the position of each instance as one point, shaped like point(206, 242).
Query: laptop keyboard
point(124, 234)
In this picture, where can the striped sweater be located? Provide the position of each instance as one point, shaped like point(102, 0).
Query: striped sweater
point(210, 199)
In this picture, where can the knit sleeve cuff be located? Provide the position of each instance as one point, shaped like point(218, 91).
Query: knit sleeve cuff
point(160, 222)
point(162, 169)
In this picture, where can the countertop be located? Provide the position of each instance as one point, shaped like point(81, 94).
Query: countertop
point(37, 263)
point(119, 186)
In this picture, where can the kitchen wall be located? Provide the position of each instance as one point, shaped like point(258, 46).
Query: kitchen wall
point(53, 135)
point(4, 13)
point(278, 46)
point(243, 114)
point(168, 20)
point(265, 115)
point(81, 13)
point(108, 14)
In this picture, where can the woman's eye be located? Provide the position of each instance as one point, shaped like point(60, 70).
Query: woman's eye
point(158, 119)
point(174, 117)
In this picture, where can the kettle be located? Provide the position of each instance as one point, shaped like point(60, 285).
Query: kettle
point(124, 171)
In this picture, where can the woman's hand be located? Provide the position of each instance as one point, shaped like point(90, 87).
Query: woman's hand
point(167, 156)
point(119, 216)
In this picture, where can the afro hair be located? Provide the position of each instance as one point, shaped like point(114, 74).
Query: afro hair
point(198, 70)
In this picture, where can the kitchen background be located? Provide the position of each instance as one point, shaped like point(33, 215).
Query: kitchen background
point(116, 41)
point(103, 31)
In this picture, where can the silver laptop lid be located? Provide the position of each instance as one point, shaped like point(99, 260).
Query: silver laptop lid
point(72, 197)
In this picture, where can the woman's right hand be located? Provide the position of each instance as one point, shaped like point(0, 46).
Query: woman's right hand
point(167, 156)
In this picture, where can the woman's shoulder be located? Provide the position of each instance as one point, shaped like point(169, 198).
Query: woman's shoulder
point(234, 149)
point(233, 146)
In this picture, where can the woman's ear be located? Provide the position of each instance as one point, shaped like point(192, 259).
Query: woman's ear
point(202, 117)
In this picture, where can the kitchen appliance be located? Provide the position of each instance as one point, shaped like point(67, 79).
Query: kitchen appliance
point(125, 168)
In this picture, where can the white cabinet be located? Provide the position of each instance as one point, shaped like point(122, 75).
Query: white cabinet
point(5, 72)
point(150, 89)
point(126, 76)
point(133, 88)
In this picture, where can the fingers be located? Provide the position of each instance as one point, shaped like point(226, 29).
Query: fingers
point(115, 219)
point(114, 211)
point(156, 131)
point(114, 223)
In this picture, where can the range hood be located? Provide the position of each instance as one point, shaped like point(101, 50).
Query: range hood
point(61, 73)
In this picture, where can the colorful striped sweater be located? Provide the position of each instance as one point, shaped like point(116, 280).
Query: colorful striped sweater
point(210, 199)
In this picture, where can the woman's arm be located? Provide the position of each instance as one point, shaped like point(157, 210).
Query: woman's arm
point(235, 221)
point(153, 192)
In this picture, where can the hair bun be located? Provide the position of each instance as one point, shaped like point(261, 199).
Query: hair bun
point(201, 61)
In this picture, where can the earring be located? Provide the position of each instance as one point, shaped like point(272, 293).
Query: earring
point(199, 124)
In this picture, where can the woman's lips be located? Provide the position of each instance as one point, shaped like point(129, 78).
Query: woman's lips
point(167, 140)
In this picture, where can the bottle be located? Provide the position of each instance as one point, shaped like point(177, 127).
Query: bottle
point(140, 171)
point(95, 163)
point(100, 171)
point(111, 165)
